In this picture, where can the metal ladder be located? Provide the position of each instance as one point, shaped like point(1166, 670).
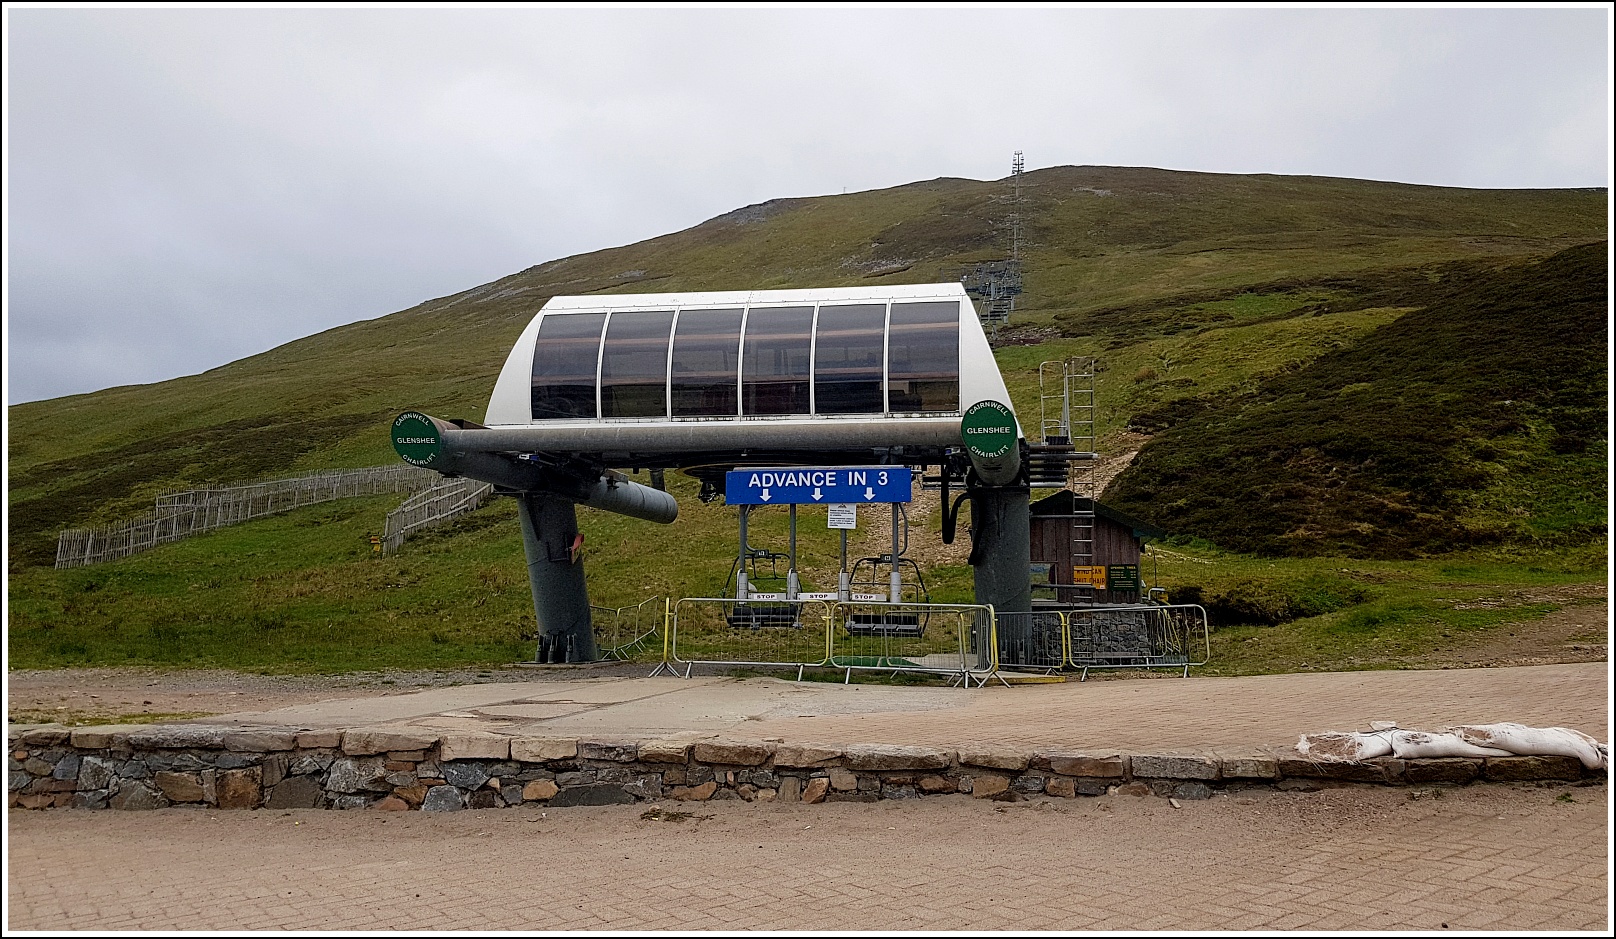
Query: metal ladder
point(1067, 420)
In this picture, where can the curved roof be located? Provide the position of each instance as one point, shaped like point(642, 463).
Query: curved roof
point(852, 367)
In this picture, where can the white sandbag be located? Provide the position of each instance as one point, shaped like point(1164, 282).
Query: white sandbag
point(1538, 741)
point(1418, 744)
point(1336, 747)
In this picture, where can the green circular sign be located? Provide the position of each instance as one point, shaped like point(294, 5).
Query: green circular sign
point(416, 438)
point(988, 429)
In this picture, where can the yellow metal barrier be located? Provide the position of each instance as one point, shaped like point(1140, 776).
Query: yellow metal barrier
point(667, 641)
point(957, 640)
point(1037, 640)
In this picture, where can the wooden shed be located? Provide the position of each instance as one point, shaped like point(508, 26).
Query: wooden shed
point(1075, 553)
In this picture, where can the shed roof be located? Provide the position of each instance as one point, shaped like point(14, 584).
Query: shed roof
point(1065, 502)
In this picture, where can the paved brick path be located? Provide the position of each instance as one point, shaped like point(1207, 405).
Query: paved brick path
point(1492, 858)
point(1483, 857)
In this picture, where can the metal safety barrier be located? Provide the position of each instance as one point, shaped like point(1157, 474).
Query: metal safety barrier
point(970, 643)
point(624, 631)
point(1143, 636)
point(726, 631)
point(1036, 640)
point(955, 640)
point(958, 640)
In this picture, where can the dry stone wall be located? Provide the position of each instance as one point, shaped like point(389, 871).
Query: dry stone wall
point(390, 769)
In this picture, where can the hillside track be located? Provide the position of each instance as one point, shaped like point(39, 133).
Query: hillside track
point(1578, 631)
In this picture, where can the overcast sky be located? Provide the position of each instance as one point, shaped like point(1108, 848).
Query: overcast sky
point(187, 187)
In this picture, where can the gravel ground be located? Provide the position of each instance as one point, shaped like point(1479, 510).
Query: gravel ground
point(100, 695)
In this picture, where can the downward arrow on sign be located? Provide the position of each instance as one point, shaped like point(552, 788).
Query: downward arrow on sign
point(765, 496)
point(817, 494)
point(869, 493)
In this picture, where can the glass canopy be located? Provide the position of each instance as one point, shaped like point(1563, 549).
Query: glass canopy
point(762, 361)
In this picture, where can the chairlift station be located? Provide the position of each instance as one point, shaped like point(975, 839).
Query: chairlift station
point(769, 397)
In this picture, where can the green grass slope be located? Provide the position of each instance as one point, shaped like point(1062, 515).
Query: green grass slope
point(1476, 418)
point(1100, 238)
point(303, 592)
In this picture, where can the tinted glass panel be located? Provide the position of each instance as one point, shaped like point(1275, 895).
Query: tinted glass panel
point(923, 371)
point(634, 365)
point(706, 362)
point(774, 367)
point(564, 365)
point(847, 359)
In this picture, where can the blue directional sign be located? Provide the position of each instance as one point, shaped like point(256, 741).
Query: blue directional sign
point(812, 486)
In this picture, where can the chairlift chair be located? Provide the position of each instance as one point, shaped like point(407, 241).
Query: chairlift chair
point(749, 614)
point(909, 624)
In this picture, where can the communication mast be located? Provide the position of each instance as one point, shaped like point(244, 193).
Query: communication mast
point(996, 284)
point(1016, 167)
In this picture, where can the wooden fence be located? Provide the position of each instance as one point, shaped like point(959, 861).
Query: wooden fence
point(446, 499)
point(194, 511)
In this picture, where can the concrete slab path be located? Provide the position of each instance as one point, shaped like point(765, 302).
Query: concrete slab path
point(1128, 715)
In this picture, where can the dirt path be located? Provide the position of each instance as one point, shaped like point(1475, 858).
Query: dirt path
point(80, 696)
point(1577, 632)
point(1483, 857)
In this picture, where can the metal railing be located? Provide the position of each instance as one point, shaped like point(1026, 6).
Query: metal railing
point(625, 631)
point(968, 642)
point(1143, 636)
point(178, 515)
point(955, 640)
point(445, 500)
point(958, 640)
point(1036, 640)
point(726, 631)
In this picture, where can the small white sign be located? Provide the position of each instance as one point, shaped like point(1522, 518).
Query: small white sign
point(842, 515)
point(765, 596)
point(817, 596)
point(869, 597)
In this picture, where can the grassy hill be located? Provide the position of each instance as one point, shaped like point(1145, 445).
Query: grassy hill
point(1100, 237)
point(1478, 417)
point(1202, 294)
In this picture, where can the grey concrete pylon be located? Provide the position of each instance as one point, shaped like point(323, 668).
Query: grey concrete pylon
point(556, 574)
point(1001, 548)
